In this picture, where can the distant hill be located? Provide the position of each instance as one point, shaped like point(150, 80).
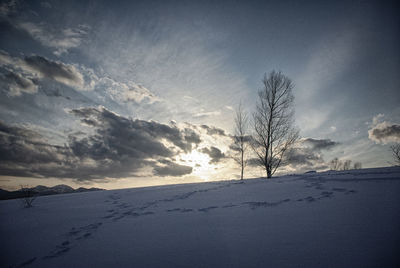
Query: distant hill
point(44, 190)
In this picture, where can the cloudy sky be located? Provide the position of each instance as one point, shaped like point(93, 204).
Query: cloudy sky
point(119, 94)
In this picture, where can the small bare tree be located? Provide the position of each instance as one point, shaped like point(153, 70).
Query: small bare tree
point(240, 139)
point(357, 165)
point(346, 164)
point(274, 132)
point(396, 153)
point(336, 164)
point(28, 196)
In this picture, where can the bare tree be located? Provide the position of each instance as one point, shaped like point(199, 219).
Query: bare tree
point(346, 164)
point(336, 164)
point(240, 139)
point(396, 153)
point(28, 196)
point(273, 119)
point(357, 165)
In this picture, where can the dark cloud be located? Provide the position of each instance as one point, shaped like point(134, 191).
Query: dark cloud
point(57, 71)
point(302, 156)
point(235, 146)
point(385, 132)
point(308, 156)
point(118, 138)
point(191, 137)
point(213, 130)
point(117, 147)
point(39, 67)
point(215, 154)
point(254, 162)
point(16, 84)
point(23, 153)
point(320, 144)
point(172, 169)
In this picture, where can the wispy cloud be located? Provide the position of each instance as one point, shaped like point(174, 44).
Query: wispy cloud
point(206, 114)
point(181, 66)
point(330, 60)
point(126, 92)
point(59, 40)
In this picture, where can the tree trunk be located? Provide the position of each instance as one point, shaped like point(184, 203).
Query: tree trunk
point(241, 175)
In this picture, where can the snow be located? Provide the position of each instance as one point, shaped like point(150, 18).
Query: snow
point(331, 219)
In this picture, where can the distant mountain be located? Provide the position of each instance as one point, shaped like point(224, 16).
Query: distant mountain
point(44, 190)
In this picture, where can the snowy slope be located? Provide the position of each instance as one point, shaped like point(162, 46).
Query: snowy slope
point(336, 219)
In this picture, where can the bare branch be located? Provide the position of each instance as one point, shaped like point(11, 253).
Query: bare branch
point(396, 153)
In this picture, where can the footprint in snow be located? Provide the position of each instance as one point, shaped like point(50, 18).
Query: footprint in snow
point(229, 206)
point(207, 209)
point(339, 189)
point(351, 192)
point(254, 205)
point(25, 263)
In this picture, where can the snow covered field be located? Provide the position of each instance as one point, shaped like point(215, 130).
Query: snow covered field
point(333, 219)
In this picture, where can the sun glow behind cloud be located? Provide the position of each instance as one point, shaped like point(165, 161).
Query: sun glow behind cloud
point(200, 163)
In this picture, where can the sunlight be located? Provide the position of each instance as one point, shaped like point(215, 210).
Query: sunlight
point(200, 163)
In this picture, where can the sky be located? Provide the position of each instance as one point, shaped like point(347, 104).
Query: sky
point(117, 94)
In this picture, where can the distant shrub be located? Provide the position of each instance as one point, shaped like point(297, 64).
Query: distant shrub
point(337, 164)
point(357, 165)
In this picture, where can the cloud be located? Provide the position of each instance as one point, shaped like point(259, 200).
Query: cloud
point(126, 92)
point(136, 136)
point(9, 7)
point(61, 40)
point(319, 144)
point(213, 130)
point(207, 114)
point(172, 169)
point(116, 147)
point(377, 118)
point(307, 154)
point(303, 157)
point(45, 4)
point(253, 162)
point(24, 153)
point(214, 153)
point(17, 84)
point(55, 70)
point(37, 67)
point(384, 132)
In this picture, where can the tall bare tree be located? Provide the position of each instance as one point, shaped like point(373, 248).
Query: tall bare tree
point(274, 131)
point(396, 153)
point(240, 139)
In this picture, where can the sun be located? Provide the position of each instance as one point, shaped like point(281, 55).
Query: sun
point(200, 163)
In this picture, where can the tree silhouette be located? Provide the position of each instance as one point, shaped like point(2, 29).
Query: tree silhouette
point(240, 139)
point(274, 132)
